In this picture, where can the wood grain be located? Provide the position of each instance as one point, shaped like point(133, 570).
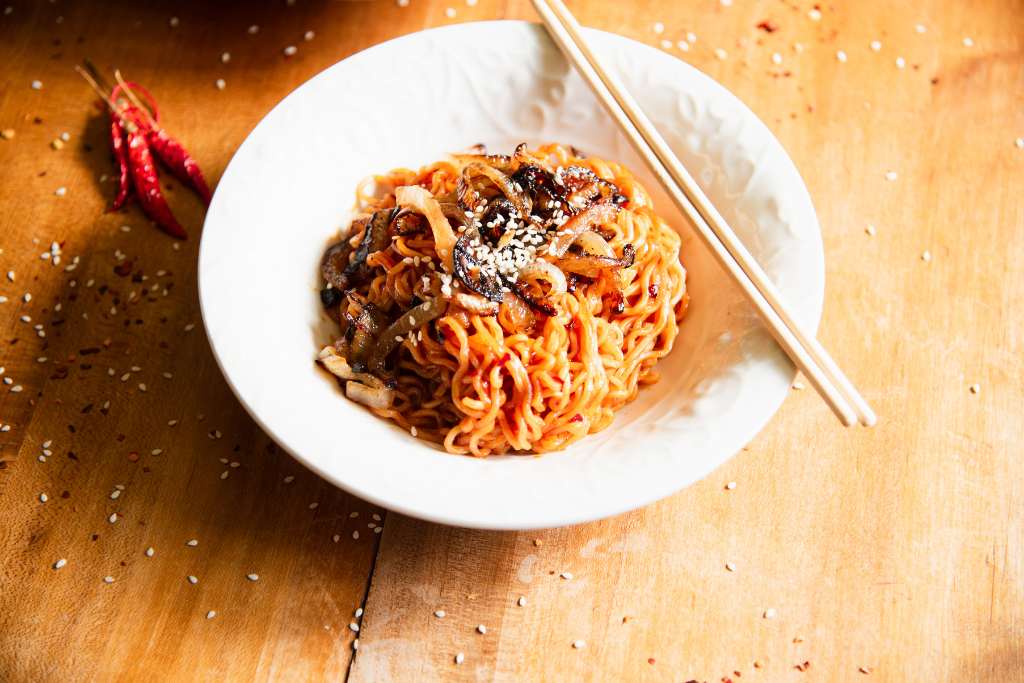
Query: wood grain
point(896, 549)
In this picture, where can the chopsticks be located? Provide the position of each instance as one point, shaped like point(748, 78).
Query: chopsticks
point(802, 348)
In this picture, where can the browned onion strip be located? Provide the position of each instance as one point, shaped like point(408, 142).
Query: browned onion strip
point(413, 319)
point(591, 265)
point(470, 197)
point(592, 244)
point(419, 199)
point(598, 214)
point(519, 314)
point(548, 272)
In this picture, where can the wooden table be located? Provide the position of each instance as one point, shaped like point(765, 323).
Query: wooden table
point(889, 554)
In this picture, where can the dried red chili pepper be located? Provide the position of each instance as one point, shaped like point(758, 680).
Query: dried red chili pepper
point(147, 185)
point(177, 159)
point(117, 143)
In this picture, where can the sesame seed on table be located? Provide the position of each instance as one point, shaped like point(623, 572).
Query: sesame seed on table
point(150, 529)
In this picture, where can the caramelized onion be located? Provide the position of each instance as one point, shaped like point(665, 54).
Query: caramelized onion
point(469, 197)
point(591, 265)
point(372, 397)
point(475, 304)
point(543, 270)
point(598, 214)
point(519, 314)
point(413, 319)
point(419, 199)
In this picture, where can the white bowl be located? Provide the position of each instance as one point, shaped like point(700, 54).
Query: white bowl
point(406, 103)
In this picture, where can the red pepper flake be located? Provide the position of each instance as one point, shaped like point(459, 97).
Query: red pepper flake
point(133, 457)
point(768, 26)
point(124, 269)
point(803, 667)
point(650, 660)
point(576, 418)
point(652, 289)
point(504, 359)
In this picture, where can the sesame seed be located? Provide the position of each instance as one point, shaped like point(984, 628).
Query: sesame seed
point(192, 543)
point(579, 644)
point(47, 443)
point(814, 14)
point(730, 486)
point(776, 58)
point(171, 423)
point(61, 191)
point(720, 53)
point(253, 577)
point(691, 37)
point(115, 494)
point(253, 30)
point(658, 28)
point(412, 430)
point(968, 42)
point(174, 22)
point(150, 551)
point(60, 563)
point(336, 538)
point(841, 56)
point(225, 474)
point(870, 229)
point(7, 133)
point(378, 530)
point(481, 629)
point(10, 275)
point(901, 63)
point(308, 36)
point(354, 627)
point(220, 83)
point(37, 85)
point(359, 612)
point(926, 256)
point(289, 479)
point(112, 518)
point(975, 388)
point(403, 3)
point(521, 601)
point(798, 386)
point(460, 658)
point(770, 613)
point(450, 12)
point(225, 57)
point(920, 28)
point(353, 515)
point(1019, 142)
point(729, 566)
point(355, 642)
point(355, 535)
point(566, 575)
point(891, 175)
point(666, 44)
point(211, 614)
point(440, 613)
point(314, 506)
point(290, 51)
point(192, 579)
point(43, 498)
point(108, 579)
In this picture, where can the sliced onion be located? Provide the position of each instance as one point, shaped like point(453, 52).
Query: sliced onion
point(474, 303)
point(592, 244)
point(598, 214)
point(338, 366)
point(591, 265)
point(413, 319)
point(419, 199)
point(372, 397)
point(519, 314)
point(543, 270)
point(469, 196)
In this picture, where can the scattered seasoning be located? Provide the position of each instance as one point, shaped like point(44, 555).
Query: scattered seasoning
point(720, 53)
point(150, 551)
point(975, 388)
point(108, 579)
point(481, 629)
point(730, 486)
point(658, 28)
point(768, 26)
point(566, 575)
point(225, 57)
point(968, 42)
point(770, 613)
point(220, 83)
point(579, 644)
point(37, 85)
point(729, 566)
point(43, 498)
point(290, 51)
point(926, 256)
point(211, 614)
point(803, 666)
point(7, 133)
point(870, 229)
point(174, 22)
point(841, 56)
point(798, 385)
point(920, 28)
point(59, 564)
point(901, 63)
point(891, 175)
point(814, 14)
point(308, 36)
point(450, 12)
point(776, 58)
point(112, 518)
point(666, 44)
point(253, 577)
point(863, 669)
point(459, 658)
point(354, 627)
point(192, 543)
point(521, 601)
point(193, 580)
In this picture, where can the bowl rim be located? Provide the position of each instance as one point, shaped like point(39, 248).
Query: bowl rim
point(419, 512)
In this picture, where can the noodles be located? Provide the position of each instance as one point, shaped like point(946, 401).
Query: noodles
point(477, 358)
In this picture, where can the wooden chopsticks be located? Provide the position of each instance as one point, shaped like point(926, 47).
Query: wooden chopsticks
point(802, 348)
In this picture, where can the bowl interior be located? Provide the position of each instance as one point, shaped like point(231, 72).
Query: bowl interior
point(408, 102)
